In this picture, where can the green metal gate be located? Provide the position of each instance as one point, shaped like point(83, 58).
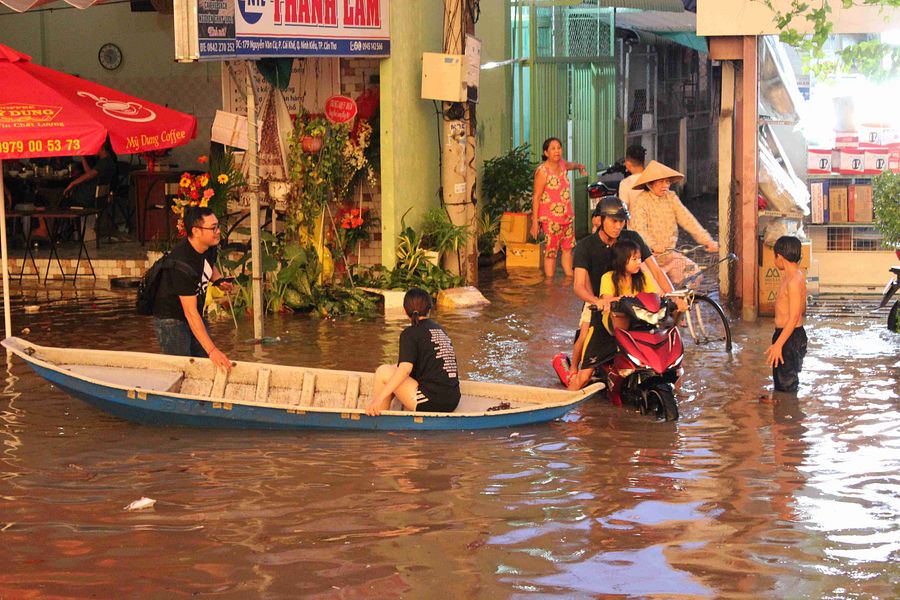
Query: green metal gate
point(566, 84)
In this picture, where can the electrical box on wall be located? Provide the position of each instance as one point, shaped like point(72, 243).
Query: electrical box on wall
point(443, 77)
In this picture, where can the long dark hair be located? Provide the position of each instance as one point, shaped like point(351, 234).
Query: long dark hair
point(416, 303)
point(622, 251)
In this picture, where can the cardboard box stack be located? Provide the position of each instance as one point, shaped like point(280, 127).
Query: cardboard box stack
point(770, 276)
point(868, 152)
point(514, 233)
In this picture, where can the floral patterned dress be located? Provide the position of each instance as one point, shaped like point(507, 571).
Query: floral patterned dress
point(555, 211)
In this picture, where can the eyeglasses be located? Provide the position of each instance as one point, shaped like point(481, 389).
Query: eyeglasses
point(213, 228)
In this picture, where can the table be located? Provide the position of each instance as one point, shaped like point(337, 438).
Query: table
point(55, 219)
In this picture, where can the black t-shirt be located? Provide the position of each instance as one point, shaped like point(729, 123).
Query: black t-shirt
point(428, 347)
point(593, 255)
point(175, 282)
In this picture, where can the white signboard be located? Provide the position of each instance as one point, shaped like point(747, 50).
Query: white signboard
point(312, 28)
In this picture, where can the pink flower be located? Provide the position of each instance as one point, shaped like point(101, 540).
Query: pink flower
point(208, 193)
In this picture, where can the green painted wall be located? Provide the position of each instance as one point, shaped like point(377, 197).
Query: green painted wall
point(494, 135)
point(410, 175)
point(410, 172)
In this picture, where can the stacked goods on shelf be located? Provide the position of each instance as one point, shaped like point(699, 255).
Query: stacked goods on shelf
point(840, 202)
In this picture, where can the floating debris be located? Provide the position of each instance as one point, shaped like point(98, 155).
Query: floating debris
point(141, 504)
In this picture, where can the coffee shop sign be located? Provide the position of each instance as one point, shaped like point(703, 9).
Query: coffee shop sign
point(340, 109)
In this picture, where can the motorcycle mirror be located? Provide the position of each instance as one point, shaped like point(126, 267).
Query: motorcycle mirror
point(600, 165)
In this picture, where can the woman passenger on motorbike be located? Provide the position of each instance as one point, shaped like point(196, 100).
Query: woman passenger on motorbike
point(656, 214)
point(552, 206)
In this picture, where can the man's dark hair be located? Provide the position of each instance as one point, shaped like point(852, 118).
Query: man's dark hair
point(193, 217)
point(637, 153)
point(789, 248)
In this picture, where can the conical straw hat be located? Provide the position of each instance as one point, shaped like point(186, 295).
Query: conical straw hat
point(655, 171)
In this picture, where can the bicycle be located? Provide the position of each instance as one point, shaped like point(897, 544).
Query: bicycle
point(705, 318)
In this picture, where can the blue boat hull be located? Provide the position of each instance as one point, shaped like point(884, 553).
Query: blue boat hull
point(162, 409)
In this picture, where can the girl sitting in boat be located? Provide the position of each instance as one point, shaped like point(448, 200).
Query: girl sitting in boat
point(426, 377)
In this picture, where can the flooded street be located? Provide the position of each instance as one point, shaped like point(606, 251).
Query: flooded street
point(741, 498)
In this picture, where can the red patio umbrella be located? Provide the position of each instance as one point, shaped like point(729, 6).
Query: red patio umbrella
point(48, 113)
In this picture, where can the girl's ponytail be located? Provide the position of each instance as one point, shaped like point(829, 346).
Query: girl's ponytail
point(417, 304)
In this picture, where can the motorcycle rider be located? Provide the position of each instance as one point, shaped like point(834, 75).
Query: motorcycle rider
point(593, 258)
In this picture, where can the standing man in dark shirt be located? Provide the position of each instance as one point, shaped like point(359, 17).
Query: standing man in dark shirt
point(593, 258)
point(178, 308)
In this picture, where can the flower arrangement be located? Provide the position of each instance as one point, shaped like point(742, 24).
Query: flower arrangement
point(352, 226)
point(209, 189)
point(324, 172)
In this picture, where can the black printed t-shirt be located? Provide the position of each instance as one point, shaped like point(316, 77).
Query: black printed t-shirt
point(428, 347)
point(593, 255)
point(175, 282)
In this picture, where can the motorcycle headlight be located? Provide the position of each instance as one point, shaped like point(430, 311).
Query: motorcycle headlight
point(651, 318)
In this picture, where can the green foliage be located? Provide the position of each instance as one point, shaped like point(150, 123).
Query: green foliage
point(412, 269)
point(886, 204)
point(871, 58)
point(293, 272)
point(488, 230)
point(507, 182)
point(316, 177)
point(440, 234)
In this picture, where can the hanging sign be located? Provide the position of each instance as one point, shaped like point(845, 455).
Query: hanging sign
point(312, 28)
point(340, 109)
point(215, 29)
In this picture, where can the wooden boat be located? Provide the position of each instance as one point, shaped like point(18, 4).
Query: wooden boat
point(174, 390)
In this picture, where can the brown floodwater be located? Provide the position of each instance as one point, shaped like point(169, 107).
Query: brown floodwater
point(741, 498)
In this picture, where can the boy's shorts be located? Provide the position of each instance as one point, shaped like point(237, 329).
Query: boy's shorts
point(585, 314)
point(786, 376)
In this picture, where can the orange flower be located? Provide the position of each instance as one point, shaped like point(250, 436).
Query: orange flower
point(203, 159)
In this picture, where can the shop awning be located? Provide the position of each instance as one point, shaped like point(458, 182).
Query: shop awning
point(24, 5)
point(676, 28)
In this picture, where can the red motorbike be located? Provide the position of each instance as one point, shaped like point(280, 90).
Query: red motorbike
point(644, 371)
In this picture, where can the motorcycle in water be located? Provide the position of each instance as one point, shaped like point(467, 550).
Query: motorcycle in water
point(889, 290)
point(607, 183)
point(647, 367)
point(644, 371)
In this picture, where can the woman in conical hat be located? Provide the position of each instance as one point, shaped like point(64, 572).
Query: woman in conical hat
point(656, 213)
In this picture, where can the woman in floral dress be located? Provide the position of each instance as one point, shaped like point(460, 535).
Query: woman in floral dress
point(552, 207)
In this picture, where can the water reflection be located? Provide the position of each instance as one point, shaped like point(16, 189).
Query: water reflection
point(794, 497)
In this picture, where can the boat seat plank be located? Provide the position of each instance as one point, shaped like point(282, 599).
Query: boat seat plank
point(308, 390)
point(262, 385)
point(219, 383)
point(352, 394)
point(196, 387)
point(145, 379)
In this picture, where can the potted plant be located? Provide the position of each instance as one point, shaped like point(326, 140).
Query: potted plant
point(507, 182)
point(440, 235)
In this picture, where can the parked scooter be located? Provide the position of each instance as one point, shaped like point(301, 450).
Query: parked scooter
point(889, 290)
point(607, 183)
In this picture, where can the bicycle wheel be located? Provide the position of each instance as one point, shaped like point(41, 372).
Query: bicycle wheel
point(707, 322)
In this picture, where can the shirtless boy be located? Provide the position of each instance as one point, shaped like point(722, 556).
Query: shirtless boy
point(788, 348)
